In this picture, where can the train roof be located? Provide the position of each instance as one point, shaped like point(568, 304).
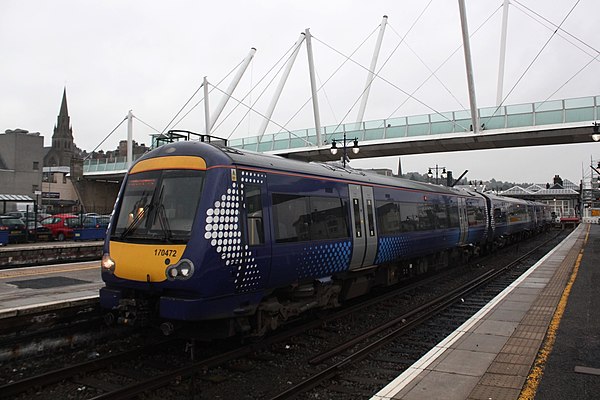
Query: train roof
point(223, 155)
point(333, 170)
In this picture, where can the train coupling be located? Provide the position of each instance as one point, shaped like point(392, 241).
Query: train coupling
point(133, 312)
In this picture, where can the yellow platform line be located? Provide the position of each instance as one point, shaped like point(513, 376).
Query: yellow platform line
point(533, 379)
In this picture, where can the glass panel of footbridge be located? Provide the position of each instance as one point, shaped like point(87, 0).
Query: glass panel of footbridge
point(580, 109)
point(548, 112)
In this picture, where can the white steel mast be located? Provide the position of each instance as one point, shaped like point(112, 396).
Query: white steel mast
point(231, 88)
point(502, 53)
point(313, 86)
point(371, 75)
point(129, 139)
point(206, 110)
point(470, 80)
point(279, 89)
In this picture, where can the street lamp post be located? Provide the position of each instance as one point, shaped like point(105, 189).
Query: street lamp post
point(344, 145)
point(437, 169)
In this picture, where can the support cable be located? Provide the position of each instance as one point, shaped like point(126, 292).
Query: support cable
point(440, 67)
point(250, 108)
point(432, 72)
point(376, 74)
point(154, 129)
point(391, 84)
point(556, 27)
point(198, 103)
point(264, 116)
point(104, 140)
point(332, 74)
point(531, 63)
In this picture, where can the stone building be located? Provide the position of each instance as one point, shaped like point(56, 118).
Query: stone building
point(21, 162)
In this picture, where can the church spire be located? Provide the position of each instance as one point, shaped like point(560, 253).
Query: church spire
point(63, 121)
point(64, 112)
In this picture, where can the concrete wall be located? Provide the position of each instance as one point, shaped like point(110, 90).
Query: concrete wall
point(19, 150)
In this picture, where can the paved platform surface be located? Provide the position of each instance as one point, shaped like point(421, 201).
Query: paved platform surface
point(27, 289)
point(496, 354)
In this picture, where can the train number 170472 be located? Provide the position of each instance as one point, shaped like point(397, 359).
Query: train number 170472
point(165, 253)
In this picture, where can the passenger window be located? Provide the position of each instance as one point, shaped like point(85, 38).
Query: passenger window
point(388, 217)
point(291, 218)
point(328, 218)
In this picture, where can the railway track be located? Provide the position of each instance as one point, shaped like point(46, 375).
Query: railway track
point(156, 370)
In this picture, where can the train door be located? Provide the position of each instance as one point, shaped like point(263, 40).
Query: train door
point(255, 217)
point(463, 220)
point(364, 230)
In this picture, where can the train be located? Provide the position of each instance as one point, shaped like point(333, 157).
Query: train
point(222, 241)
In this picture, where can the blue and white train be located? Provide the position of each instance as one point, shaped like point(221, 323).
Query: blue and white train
point(243, 242)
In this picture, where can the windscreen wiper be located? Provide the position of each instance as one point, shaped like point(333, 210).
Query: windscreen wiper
point(136, 221)
point(164, 222)
point(162, 216)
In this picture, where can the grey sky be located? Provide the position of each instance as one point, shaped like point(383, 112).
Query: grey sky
point(150, 56)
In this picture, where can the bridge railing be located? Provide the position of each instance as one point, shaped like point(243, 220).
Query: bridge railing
point(107, 165)
point(510, 116)
point(504, 117)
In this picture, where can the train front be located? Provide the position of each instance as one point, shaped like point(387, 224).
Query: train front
point(156, 263)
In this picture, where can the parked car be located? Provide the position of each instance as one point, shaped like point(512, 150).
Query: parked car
point(96, 221)
point(17, 232)
point(28, 216)
point(38, 232)
point(61, 225)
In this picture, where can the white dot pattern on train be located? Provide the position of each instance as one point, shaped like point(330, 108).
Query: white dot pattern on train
point(223, 230)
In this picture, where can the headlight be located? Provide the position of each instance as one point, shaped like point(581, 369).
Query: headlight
point(107, 263)
point(182, 270)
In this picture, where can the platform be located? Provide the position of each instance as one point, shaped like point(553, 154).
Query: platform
point(502, 351)
point(33, 289)
point(42, 253)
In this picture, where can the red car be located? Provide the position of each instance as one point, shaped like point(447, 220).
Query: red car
point(61, 225)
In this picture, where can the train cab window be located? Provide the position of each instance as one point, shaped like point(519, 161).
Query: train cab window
point(158, 206)
point(254, 215)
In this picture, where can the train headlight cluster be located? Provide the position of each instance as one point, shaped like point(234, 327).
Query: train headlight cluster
point(107, 263)
point(181, 271)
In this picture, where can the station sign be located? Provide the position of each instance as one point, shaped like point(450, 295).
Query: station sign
point(50, 195)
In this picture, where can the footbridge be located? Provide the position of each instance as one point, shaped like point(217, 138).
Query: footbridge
point(532, 124)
